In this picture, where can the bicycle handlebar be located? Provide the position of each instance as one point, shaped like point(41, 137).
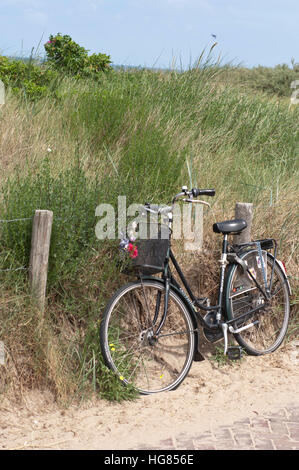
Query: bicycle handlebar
point(193, 193)
point(202, 192)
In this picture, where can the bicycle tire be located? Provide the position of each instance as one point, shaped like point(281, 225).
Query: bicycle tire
point(242, 295)
point(150, 365)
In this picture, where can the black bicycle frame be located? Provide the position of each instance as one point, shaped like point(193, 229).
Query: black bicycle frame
point(170, 280)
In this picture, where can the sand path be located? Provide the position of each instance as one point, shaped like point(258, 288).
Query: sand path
point(210, 396)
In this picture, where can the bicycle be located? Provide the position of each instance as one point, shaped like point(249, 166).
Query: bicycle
point(150, 330)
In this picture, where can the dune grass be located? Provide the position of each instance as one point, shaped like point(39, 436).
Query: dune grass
point(133, 133)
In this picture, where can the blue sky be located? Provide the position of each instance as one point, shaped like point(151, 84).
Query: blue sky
point(158, 32)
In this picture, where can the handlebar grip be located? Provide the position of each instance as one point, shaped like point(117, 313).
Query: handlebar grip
point(203, 192)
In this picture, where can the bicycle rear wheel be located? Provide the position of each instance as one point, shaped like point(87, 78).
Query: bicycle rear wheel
point(242, 295)
point(129, 344)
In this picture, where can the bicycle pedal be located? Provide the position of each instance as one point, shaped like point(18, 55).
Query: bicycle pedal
point(234, 353)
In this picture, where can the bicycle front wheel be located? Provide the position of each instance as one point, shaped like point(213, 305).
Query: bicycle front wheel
point(133, 347)
point(270, 322)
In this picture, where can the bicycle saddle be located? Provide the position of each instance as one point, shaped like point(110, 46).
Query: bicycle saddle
point(230, 226)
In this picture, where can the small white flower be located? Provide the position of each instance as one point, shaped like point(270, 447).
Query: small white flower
point(49, 150)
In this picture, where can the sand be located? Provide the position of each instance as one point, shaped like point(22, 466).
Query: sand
point(211, 395)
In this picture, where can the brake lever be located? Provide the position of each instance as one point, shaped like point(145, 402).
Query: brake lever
point(198, 201)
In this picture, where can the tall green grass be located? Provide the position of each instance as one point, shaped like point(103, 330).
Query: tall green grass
point(132, 133)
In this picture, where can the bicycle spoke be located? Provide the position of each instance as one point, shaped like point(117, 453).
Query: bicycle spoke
point(272, 317)
point(150, 363)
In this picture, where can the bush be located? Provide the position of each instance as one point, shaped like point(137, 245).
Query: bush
point(26, 77)
point(66, 55)
point(276, 80)
point(271, 80)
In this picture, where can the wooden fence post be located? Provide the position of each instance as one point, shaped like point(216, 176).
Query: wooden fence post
point(197, 231)
point(39, 256)
point(244, 210)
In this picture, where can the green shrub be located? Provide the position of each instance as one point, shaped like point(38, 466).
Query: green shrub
point(67, 56)
point(271, 80)
point(64, 56)
point(26, 78)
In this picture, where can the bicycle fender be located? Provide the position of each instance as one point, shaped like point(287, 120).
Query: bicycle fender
point(282, 269)
point(181, 294)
